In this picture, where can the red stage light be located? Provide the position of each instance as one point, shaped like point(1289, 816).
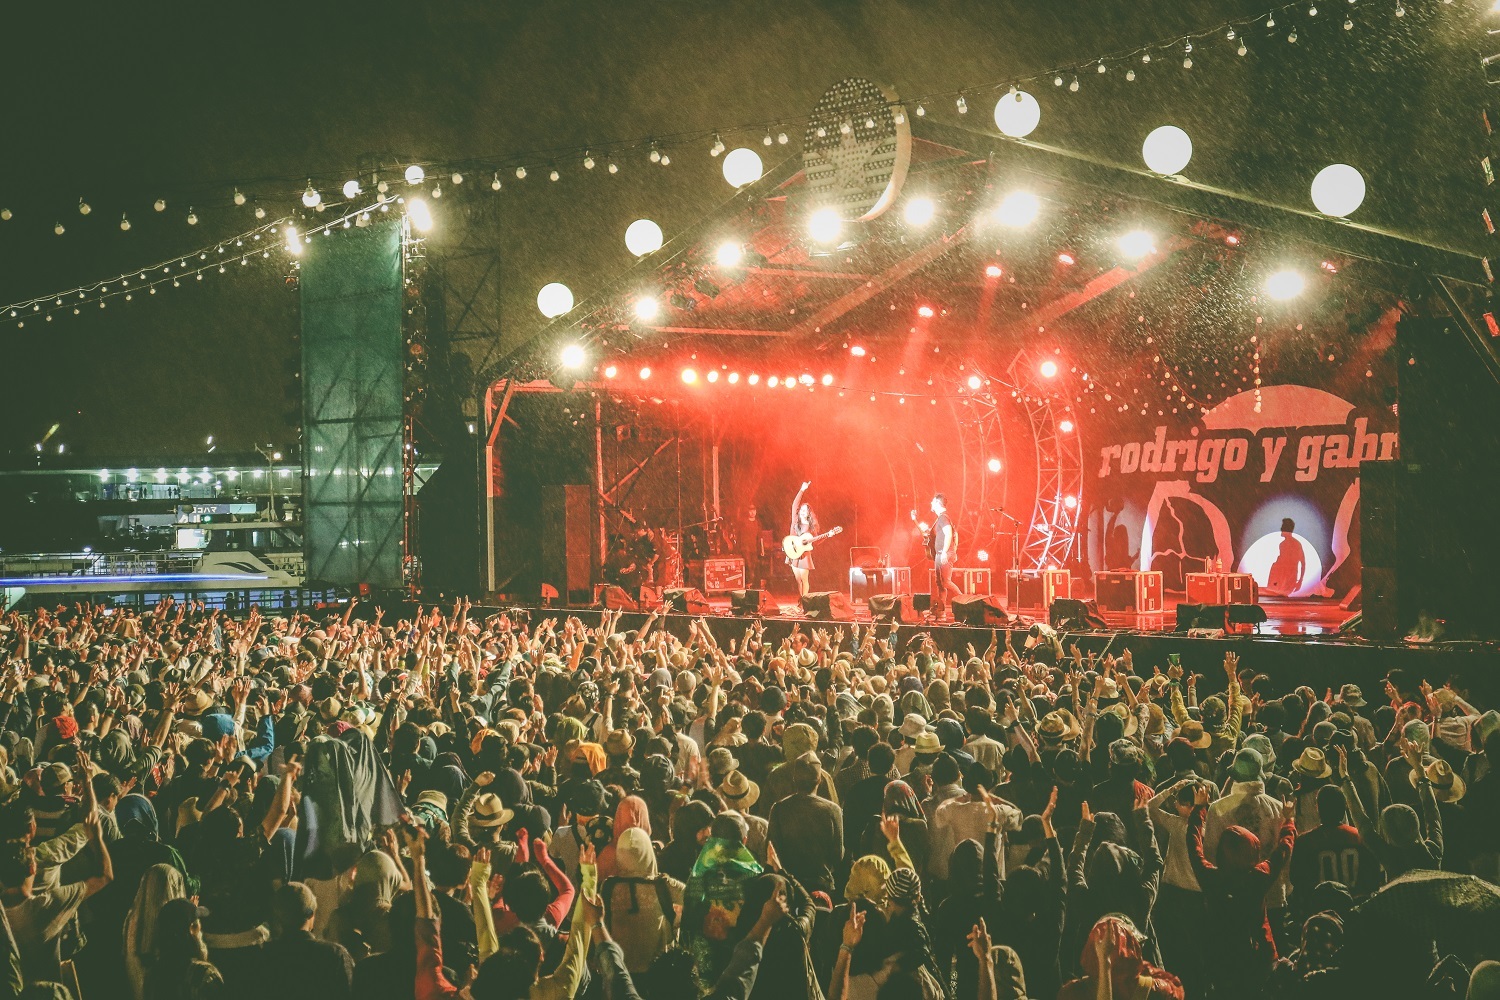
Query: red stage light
point(754, 379)
point(773, 381)
point(984, 555)
point(925, 312)
point(1048, 369)
point(610, 371)
point(1066, 426)
point(791, 383)
point(806, 379)
point(975, 381)
point(1065, 258)
point(857, 351)
point(713, 376)
point(645, 373)
point(993, 271)
point(993, 464)
point(827, 379)
point(1070, 502)
point(734, 377)
point(689, 376)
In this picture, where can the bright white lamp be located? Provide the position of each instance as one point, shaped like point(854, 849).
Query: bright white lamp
point(1167, 150)
point(742, 166)
point(1018, 209)
point(919, 211)
point(1338, 190)
point(1284, 285)
point(1017, 114)
point(554, 299)
point(1136, 243)
point(824, 225)
point(643, 237)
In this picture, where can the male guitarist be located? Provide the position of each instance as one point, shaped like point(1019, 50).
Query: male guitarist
point(804, 522)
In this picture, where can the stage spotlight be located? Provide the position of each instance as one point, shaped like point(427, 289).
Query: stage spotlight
point(713, 375)
point(790, 382)
point(975, 381)
point(1048, 368)
point(827, 379)
point(729, 254)
point(642, 237)
point(754, 379)
point(993, 465)
point(983, 555)
point(825, 225)
point(645, 373)
point(742, 166)
point(554, 299)
point(419, 214)
point(1017, 114)
point(919, 211)
point(1066, 258)
point(925, 312)
point(993, 271)
point(293, 241)
point(1066, 426)
point(806, 379)
point(1338, 190)
point(610, 371)
point(1167, 150)
point(734, 378)
point(1018, 209)
point(689, 376)
point(1070, 502)
point(1285, 285)
point(857, 351)
point(572, 356)
point(647, 308)
point(773, 381)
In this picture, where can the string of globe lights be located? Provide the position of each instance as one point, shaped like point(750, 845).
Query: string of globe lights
point(1016, 114)
point(280, 235)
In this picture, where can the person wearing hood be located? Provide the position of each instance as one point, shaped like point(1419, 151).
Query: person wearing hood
point(632, 813)
point(1248, 806)
point(974, 895)
point(1241, 947)
point(864, 892)
point(641, 905)
point(1112, 871)
point(160, 884)
point(1033, 908)
point(1404, 840)
point(690, 825)
point(1114, 964)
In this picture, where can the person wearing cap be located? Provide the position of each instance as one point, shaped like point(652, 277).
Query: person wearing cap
point(912, 726)
point(308, 969)
point(807, 829)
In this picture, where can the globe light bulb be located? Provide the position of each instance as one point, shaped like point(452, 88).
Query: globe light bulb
point(415, 174)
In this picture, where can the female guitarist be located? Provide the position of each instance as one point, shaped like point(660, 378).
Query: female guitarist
point(804, 522)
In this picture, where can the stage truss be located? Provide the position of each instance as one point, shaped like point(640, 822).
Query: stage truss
point(1052, 538)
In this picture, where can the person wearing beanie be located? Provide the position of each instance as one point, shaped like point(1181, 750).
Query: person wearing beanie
point(1404, 840)
point(1240, 948)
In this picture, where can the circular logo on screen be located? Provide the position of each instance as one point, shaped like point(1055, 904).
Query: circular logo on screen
point(857, 149)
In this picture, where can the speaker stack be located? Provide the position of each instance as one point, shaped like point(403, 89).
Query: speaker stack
point(828, 605)
point(980, 611)
point(686, 601)
point(893, 609)
point(753, 603)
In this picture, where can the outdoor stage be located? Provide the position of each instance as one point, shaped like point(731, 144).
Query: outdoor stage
point(1298, 644)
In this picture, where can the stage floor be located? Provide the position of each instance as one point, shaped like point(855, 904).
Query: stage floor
point(1284, 616)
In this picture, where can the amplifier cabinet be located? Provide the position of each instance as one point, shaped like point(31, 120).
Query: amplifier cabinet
point(1135, 592)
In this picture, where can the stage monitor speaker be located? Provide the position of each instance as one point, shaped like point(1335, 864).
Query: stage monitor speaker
point(1191, 616)
point(828, 605)
point(754, 603)
point(685, 601)
point(980, 611)
point(921, 602)
point(1068, 614)
point(612, 598)
point(893, 609)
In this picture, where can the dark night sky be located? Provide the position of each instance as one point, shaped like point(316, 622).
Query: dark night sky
point(122, 105)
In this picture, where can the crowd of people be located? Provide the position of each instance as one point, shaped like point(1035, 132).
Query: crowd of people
point(492, 806)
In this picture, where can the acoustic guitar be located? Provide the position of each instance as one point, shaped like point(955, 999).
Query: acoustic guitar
point(797, 546)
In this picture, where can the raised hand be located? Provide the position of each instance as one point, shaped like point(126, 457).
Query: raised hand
point(979, 941)
point(1201, 795)
point(854, 929)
